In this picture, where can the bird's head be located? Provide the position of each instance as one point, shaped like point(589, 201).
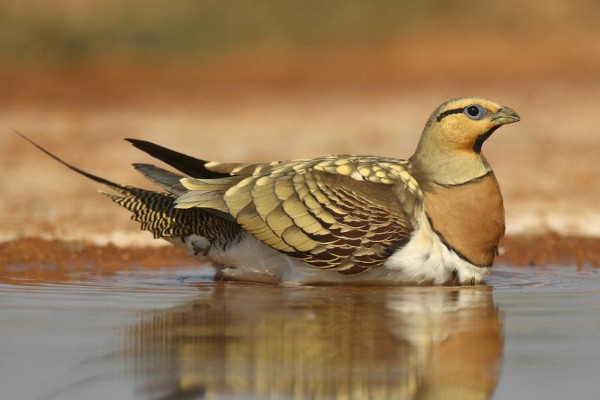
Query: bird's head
point(449, 151)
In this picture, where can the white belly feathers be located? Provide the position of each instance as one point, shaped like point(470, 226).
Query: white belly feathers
point(424, 259)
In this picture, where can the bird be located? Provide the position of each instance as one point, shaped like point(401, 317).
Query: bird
point(432, 219)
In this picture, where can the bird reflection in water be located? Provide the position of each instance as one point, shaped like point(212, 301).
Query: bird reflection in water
point(254, 341)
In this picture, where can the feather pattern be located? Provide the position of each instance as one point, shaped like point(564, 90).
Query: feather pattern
point(339, 213)
point(156, 213)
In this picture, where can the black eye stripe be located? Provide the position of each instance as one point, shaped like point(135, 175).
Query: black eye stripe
point(450, 112)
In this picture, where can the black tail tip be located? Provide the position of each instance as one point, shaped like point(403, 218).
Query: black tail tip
point(136, 142)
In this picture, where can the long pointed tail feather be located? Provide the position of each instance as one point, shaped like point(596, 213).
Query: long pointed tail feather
point(125, 190)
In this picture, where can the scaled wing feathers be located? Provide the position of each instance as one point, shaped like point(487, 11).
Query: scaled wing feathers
point(341, 213)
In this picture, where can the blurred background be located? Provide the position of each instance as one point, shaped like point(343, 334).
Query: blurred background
point(267, 79)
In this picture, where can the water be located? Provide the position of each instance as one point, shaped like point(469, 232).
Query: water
point(174, 335)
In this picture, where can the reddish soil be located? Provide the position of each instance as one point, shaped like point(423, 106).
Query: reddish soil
point(58, 261)
point(399, 68)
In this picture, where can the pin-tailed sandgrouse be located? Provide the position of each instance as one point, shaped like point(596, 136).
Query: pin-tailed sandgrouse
point(435, 218)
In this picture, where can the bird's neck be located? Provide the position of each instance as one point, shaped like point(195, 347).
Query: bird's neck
point(447, 167)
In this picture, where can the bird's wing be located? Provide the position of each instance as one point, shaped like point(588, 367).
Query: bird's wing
point(198, 168)
point(240, 169)
point(344, 213)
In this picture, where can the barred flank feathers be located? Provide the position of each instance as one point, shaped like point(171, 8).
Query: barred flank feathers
point(156, 213)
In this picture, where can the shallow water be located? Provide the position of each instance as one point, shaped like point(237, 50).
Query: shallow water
point(173, 334)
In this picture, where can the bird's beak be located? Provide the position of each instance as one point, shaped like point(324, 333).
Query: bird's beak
point(505, 116)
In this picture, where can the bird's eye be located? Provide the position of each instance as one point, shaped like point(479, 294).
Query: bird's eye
point(474, 111)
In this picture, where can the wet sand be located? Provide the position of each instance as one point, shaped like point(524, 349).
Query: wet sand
point(55, 260)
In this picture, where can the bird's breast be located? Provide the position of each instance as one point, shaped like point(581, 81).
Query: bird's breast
point(469, 218)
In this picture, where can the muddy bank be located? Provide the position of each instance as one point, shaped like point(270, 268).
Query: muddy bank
point(57, 260)
point(550, 249)
point(40, 259)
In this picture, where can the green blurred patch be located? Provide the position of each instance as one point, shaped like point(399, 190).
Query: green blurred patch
point(81, 29)
point(66, 29)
